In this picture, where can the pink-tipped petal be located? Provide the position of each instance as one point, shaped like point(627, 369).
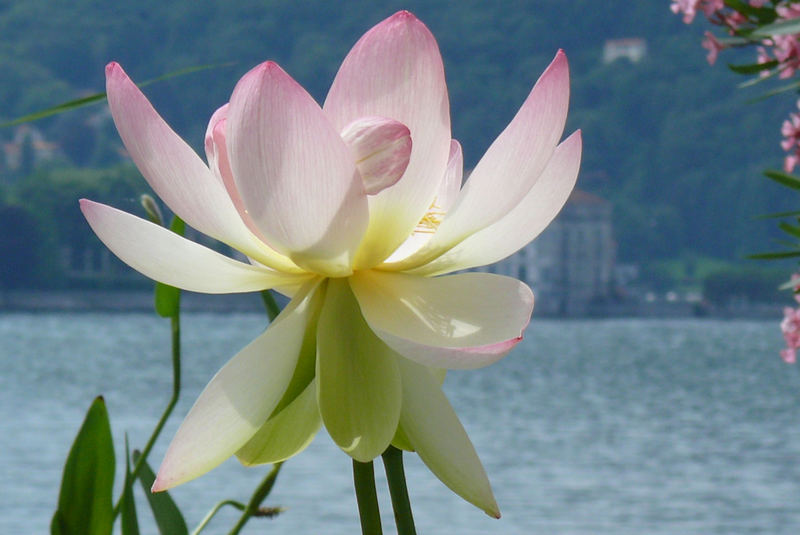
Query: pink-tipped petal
point(395, 71)
point(174, 171)
point(381, 148)
point(162, 255)
point(296, 176)
point(511, 165)
point(522, 224)
point(240, 397)
point(456, 322)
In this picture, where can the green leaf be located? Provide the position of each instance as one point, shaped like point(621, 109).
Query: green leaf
point(168, 517)
point(130, 524)
point(795, 213)
point(753, 68)
point(99, 97)
point(85, 502)
point(774, 256)
point(792, 230)
point(790, 181)
point(762, 14)
point(168, 298)
point(783, 27)
point(794, 86)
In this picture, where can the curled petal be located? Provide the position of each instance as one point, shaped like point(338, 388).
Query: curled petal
point(522, 224)
point(162, 255)
point(433, 430)
point(295, 175)
point(395, 70)
point(240, 397)
point(381, 148)
point(458, 321)
point(358, 383)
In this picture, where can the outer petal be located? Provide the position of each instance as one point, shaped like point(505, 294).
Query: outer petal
point(459, 321)
point(530, 217)
point(433, 430)
point(296, 176)
point(240, 398)
point(162, 255)
point(395, 71)
point(358, 383)
point(173, 169)
point(510, 167)
point(287, 433)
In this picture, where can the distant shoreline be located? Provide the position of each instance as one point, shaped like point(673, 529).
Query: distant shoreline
point(142, 301)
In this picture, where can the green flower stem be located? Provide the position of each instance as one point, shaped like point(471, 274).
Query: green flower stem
point(367, 497)
point(176, 390)
point(396, 476)
point(214, 510)
point(261, 492)
point(270, 304)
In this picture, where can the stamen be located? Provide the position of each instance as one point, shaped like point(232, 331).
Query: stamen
point(431, 220)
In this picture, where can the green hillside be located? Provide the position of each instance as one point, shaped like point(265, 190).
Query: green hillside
point(670, 140)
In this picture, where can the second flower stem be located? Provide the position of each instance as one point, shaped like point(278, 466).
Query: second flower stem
point(367, 498)
point(396, 477)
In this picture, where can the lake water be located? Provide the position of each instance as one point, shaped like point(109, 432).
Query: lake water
point(588, 427)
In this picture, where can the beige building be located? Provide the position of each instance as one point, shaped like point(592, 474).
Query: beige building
point(570, 265)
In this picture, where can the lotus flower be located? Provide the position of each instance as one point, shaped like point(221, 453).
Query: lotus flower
point(352, 209)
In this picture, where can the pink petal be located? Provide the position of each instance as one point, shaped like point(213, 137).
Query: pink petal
point(515, 160)
point(295, 175)
point(523, 223)
point(395, 71)
point(454, 173)
point(459, 321)
point(173, 169)
point(381, 148)
point(164, 256)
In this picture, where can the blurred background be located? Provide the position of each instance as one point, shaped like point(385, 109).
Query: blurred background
point(671, 184)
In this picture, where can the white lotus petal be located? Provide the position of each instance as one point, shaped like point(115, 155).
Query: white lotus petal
point(162, 255)
point(433, 430)
point(458, 321)
point(240, 397)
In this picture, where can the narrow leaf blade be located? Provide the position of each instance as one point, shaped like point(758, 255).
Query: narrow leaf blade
point(168, 517)
point(130, 524)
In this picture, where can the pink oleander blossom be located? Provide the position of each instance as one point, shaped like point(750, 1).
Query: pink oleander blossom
point(712, 44)
point(790, 129)
point(790, 327)
point(354, 209)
